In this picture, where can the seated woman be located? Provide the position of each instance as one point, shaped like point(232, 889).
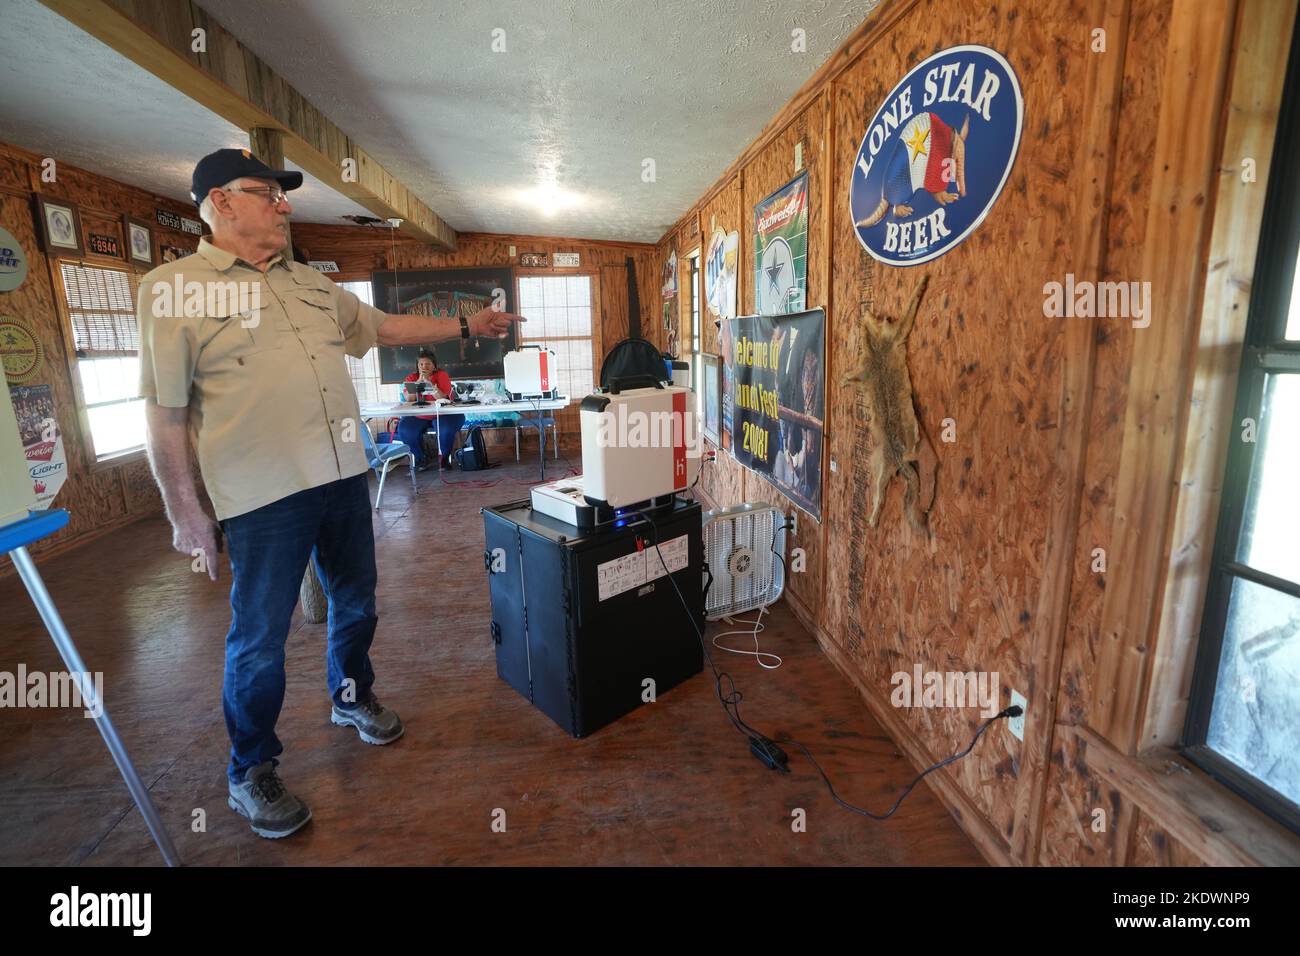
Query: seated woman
point(411, 428)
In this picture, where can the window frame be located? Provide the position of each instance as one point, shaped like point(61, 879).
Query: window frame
point(91, 459)
point(1265, 352)
point(597, 316)
point(696, 317)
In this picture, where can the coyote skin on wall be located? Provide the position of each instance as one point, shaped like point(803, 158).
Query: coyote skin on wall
point(898, 444)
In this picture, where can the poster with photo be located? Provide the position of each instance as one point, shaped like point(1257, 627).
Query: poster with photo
point(720, 266)
point(777, 401)
point(669, 290)
point(447, 293)
point(42, 440)
point(781, 249)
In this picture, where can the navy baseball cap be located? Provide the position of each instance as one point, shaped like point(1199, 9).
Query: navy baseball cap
point(216, 169)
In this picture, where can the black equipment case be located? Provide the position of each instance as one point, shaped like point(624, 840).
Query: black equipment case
point(582, 618)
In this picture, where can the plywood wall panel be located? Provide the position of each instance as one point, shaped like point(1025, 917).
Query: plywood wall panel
point(1086, 821)
point(959, 596)
point(726, 212)
point(769, 170)
point(15, 172)
point(1152, 846)
point(93, 498)
point(1129, 193)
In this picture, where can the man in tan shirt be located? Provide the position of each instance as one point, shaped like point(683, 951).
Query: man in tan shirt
point(242, 355)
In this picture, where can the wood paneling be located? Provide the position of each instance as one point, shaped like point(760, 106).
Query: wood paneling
point(1097, 144)
point(1183, 178)
point(770, 169)
point(97, 497)
point(1190, 807)
point(1251, 124)
point(1069, 432)
point(961, 596)
point(1128, 192)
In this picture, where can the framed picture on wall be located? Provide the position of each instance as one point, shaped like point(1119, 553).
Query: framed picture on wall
point(60, 227)
point(139, 241)
point(447, 293)
point(711, 388)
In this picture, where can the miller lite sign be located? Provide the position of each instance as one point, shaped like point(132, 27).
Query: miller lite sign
point(936, 155)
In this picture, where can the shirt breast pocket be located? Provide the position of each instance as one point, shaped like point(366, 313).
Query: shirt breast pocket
point(235, 339)
point(320, 315)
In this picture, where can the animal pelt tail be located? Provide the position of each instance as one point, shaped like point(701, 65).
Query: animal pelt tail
point(876, 216)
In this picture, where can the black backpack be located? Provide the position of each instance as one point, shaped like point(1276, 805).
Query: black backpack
point(472, 456)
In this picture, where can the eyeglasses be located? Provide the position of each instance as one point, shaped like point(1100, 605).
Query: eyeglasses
point(274, 194)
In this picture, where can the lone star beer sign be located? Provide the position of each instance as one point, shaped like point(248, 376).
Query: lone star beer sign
point(936, 155)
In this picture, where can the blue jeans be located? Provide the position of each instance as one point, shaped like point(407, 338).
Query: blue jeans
point(269, 548)
point(410, 431)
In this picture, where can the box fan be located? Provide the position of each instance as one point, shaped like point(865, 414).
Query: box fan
point(744, 548)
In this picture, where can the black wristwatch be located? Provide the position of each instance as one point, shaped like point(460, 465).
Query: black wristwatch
point(464, 327)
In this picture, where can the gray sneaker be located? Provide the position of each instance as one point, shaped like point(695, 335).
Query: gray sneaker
point(374, 722)
point(272, 811)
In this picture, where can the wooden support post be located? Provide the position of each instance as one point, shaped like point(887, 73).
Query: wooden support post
point(267, 144)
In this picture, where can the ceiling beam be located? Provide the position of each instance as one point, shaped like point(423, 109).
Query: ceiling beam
point(229, 79)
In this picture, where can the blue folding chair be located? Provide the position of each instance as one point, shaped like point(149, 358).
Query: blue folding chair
point(382, 458)
point(541, 423)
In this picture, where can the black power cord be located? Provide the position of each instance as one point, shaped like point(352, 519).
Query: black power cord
point(767, 750)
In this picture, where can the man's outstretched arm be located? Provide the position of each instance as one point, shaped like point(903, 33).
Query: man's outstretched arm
point(424, 329)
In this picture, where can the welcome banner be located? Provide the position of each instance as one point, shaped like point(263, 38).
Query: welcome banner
point(775, 376)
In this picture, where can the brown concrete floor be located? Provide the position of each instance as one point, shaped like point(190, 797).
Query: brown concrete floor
point(672, 783)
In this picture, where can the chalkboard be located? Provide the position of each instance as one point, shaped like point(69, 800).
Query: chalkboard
point(448, 293)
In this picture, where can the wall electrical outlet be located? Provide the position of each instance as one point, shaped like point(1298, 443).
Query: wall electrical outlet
point(794, 522)
point(512, 252)
point(1017, 724)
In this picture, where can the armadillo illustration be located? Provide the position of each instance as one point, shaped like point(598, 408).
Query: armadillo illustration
point(929, 154)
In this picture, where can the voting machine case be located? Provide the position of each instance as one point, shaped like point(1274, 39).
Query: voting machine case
point(581, 619)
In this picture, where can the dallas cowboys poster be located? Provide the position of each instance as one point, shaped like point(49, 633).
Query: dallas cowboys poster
point(781, 249)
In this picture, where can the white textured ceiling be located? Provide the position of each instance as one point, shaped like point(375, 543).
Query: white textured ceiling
point(583, 94)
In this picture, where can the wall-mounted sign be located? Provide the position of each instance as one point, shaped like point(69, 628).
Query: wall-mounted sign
point(777, 399)
point(13, 262)
point(104, 245)
point(670, 275)
point(720, 266)
point(533, 260)
point(323, 265)
point(139, 240)
point(565, 260)
point(166, 217)
point(781, 249)
point(20, 350)
point(42, 440)
point(936, 155)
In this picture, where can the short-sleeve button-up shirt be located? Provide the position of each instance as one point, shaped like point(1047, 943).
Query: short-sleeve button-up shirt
point(258, 358)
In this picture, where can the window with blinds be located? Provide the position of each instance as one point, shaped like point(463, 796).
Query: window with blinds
point(558, 310)
point(101, 310)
